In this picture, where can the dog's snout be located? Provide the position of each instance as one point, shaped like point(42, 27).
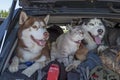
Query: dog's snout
point(81, 32)
point(46, 34)
point(100, 31)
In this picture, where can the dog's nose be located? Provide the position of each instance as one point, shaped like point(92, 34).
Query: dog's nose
point(46, 34)
point(100, 31)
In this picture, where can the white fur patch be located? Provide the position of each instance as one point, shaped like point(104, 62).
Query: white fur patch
point(14, 65)
point(37, 33)
point(93, 27)
point(33, 49)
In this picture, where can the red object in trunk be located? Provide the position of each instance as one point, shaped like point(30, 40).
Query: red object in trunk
point(53, 72)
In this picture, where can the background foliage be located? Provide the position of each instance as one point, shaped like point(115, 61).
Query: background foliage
point(3, 13)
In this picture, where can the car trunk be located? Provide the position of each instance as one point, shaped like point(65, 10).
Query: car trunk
point(62, 12)
point(66, 10)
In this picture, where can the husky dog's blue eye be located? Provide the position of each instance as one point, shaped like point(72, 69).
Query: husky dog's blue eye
point(91, 24)
point(100, 24)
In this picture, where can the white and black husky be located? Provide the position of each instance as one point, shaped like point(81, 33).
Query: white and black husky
point(94, 31)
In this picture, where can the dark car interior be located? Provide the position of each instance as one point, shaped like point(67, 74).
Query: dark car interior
point(61, 12)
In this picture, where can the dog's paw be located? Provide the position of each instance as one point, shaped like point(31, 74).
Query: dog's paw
point(13, 68)
point(73, 65)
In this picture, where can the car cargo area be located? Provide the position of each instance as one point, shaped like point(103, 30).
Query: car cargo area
point(99, 63)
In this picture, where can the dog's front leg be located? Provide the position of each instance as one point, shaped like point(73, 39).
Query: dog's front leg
point(13, 67)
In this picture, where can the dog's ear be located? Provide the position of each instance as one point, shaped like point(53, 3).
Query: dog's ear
point(46, 19)
point(23, 17)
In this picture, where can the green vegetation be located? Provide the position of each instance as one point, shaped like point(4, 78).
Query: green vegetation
point(3, 13)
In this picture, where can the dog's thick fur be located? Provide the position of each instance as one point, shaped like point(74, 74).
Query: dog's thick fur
point(94, 30)
point(66, 45)
point(32, 38)
point(111, 57)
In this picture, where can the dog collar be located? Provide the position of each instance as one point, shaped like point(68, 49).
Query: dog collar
point(29, 63)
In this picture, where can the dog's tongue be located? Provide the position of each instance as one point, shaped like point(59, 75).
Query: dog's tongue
point(41, 42)
point(97, 40)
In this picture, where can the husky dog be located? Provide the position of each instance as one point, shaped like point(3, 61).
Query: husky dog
point(66, 45)
point(94, 30)
point(32, 37)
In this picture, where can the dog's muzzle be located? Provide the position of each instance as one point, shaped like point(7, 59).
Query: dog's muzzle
point(96, 39)
point(41, 42)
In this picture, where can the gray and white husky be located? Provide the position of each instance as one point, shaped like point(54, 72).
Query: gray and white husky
point(94, 31)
